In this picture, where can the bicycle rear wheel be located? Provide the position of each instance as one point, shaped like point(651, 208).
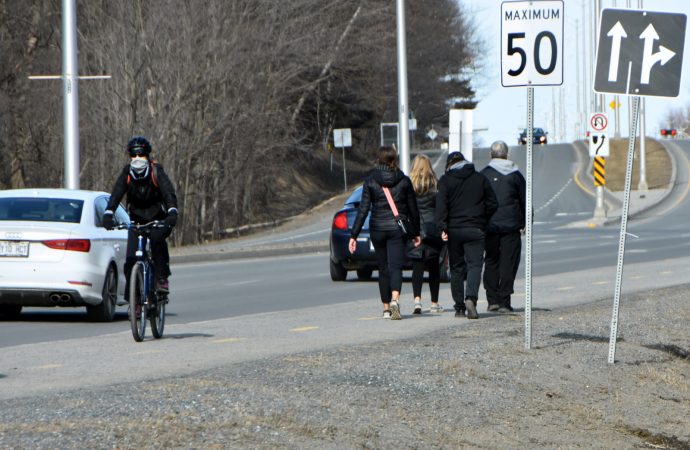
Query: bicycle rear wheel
point(157, 316)
point(137, 300)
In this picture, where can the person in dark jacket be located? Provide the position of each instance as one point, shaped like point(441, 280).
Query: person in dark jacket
point(426, 256)
point(150, 196)
point(385, 233)
point(503, 239)
point(464, 205)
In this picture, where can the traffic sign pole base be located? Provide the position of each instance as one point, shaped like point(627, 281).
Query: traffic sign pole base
point(642, 186)
point(599, 213)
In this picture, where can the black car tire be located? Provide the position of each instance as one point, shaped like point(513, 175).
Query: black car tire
point(338, 272)
point(10, 311)
point(105, 311)
point(364, 274)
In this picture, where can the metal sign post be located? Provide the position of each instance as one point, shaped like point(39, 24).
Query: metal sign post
point(627, 63)
point(531, 55)
point(342, 137)
point(624, 227)
point(528, 221)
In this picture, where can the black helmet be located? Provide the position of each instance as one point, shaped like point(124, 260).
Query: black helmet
point(138, 145)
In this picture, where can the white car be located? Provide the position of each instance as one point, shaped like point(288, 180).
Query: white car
point(54, 251)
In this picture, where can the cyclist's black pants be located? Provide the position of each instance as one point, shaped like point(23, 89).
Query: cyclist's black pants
point(159, 250)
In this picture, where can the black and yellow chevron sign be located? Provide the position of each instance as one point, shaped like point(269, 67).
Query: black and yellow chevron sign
point(599, 171)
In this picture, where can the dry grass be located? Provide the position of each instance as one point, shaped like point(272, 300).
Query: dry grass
point(657, 159)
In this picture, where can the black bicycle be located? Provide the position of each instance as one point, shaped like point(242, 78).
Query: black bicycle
point(144, 300)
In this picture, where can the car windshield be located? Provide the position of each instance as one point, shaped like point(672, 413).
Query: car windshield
point(534, 131)
point(41, 209)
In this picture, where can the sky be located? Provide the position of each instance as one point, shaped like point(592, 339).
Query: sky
point(502, 112)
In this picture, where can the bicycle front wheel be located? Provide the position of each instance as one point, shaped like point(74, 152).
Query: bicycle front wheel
point(157, 316)
point(137, 300)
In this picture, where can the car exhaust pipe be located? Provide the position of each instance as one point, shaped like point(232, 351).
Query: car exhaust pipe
point(55, 297)
point(65, 298)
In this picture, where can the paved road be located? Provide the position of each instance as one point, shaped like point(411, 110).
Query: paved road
point(235, 288)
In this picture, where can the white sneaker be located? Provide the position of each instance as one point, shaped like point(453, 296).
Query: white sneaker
point(417, 307)
point(386, 314)
point(436, 309)
point(395, 311)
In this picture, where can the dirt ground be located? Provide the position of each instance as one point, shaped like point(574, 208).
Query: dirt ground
point(467, 385)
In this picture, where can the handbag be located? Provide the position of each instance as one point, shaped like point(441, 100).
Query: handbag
point(430, 234)
point(403, 222)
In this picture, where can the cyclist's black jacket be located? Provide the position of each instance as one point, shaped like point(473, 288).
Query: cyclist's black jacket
point(374, 199)
point(145, 200)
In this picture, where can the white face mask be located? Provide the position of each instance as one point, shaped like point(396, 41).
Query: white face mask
point(139, 166)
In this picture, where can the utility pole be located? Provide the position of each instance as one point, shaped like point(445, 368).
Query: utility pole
point(70, 82)
point(403, 109)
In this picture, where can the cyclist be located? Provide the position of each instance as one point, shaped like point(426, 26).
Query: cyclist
point(150, 196)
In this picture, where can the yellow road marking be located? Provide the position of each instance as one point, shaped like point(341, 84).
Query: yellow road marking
point(49, 366)
point(600, 282)
point(302, 329)
point(226, 340)
point(566, 288)
point(368, 318)
point(637, 277)
point(665, 272)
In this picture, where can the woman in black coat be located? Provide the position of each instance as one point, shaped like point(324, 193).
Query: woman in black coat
point(425, 257)
point(386, 236)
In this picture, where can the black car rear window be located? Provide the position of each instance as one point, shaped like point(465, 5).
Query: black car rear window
point(41, 209)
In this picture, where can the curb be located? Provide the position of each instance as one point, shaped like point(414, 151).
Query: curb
point(249, 253)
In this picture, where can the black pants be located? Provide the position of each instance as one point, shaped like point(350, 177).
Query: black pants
point(466, 257)
point(390, 253)
point(429, 263)
point(501, 266)
point(159, 253)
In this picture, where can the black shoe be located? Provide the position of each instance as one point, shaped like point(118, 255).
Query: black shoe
point(493, 307)
point(459, 313)
point(471, 310)
point(505, 309)
point(162, 286)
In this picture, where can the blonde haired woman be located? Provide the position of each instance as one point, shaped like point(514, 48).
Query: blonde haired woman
point(426, 256)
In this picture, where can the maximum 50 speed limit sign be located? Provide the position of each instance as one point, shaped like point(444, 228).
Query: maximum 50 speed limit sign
point(532, 43)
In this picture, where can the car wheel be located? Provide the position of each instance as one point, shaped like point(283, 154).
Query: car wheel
point(10, 311)
point(338, 272)
point(105, 311)
point(364, 274)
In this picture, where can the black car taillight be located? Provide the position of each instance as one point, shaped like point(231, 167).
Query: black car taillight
point(340, 221)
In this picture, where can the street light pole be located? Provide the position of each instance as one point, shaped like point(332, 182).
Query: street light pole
point(70, 82)
point(403, 109)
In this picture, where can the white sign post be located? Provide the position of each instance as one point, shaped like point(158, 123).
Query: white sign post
point(531, 55)
point(342, 137)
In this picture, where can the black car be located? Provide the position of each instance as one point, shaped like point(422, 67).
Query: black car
point(538, 136)
point(364, 259)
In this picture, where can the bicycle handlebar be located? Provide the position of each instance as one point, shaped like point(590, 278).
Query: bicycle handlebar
point(141, 227)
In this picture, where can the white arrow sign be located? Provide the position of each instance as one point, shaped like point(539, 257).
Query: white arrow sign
point(648, 58)
point(617, 32)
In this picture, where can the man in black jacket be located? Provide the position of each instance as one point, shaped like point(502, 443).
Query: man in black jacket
point(503, 238)
point(150, 196)
point(464, 204)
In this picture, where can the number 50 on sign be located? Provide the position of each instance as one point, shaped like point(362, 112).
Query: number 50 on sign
point(532, 43)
